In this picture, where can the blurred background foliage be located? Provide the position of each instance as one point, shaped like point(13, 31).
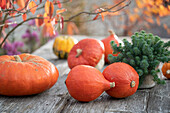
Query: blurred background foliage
point(150, 15)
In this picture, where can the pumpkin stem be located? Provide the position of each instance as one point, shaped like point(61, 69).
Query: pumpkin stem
point(17, 58)
point(112, 84)
point(132, 84)
point(168, 72)
point(79, 51)
point(111, 32)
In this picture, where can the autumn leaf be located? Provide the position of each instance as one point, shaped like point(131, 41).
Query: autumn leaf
point(8, 4)
point(168, 30)
point(136, 10)
point(49, 8)
point(60, 11)
point(1, 14)
point(59, 4)
point(19, 9)
point(21, 3)
point(57, 17)
point(139, 4)
point(3, 4)
point(102, 15)
point(46, 18)
point(24, 16)
point(96, 17)
point(32, 6)
point(48, 30)
point(12, 14)
point(40, 1)
point(39, 22)
point(165, 26)
point(147, 13)
point(61, 23)
point(132, 18)
point(113, 14)
point(150, 20)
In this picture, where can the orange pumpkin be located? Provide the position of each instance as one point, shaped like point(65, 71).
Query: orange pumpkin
point(125, 77)
point(87, 52)
point(86, 83)
point(166, 70)
point(26, 74)
point(108, 48)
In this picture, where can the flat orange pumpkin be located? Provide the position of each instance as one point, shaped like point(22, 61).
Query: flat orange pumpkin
point(26, 74)
point(125, 77)
point(87, 52)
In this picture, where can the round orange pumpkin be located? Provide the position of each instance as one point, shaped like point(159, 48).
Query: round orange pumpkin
point(87, 52)
point(125, 77)
point(86, 83)
point(26, 74)
point(166, 70)
point(108, 48)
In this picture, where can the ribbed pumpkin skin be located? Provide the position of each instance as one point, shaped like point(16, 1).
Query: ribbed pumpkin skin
point(108, 48)
point(62, 46)
point(32, 75)
point(165, 69)
point(92, 52)
point(122, 74)
point(86, 83)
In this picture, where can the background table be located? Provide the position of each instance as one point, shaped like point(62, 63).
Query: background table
point(57, 99)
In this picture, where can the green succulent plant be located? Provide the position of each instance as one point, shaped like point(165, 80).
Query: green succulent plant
point(143, 53)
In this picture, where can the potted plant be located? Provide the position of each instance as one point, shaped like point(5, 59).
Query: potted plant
point(143, 53)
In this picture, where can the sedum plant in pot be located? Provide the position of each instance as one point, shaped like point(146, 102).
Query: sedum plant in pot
point(143, 53)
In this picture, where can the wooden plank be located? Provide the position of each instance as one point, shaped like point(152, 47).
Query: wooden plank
point(105, 103)
point(159, 99)
point(57, 99)
point(43, 102)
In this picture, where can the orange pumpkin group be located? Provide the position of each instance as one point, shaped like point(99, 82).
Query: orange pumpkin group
point(125, 77)
point(87, 52)
point(86, 83)
point(166, 70)
point(108, 48)
point(26, 74)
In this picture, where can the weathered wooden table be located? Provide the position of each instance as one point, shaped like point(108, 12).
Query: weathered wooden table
point(57, 99)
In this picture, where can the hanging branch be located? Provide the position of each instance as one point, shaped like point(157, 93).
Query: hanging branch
point(1, 27)
point(17, 27)
point(67, 20)
point(107, 10)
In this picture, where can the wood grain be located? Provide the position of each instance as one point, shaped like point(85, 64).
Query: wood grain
point(58, 100)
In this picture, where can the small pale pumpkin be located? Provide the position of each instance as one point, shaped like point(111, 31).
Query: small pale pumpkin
point(166, 70)
point(62, 46)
